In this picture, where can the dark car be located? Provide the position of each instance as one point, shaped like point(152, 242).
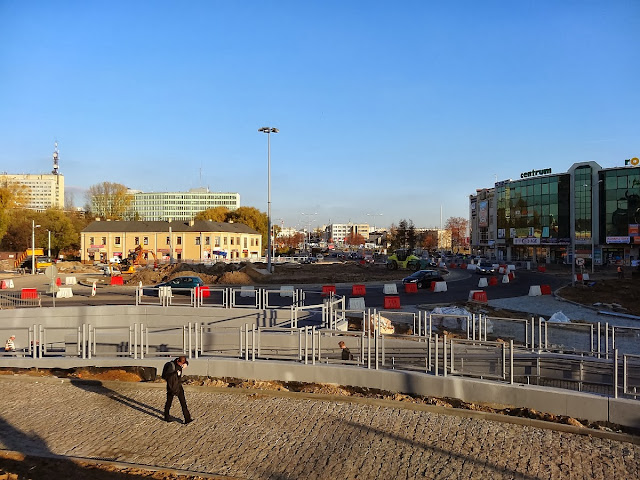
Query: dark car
point(423, 278)
point(179, 285)
point(485, 268)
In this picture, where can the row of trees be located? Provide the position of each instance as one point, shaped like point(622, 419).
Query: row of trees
point(405, 235)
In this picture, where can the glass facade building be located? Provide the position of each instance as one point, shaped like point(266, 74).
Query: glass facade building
point(587, 212)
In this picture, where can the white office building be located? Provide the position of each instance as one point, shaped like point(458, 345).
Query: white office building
point(180, 206)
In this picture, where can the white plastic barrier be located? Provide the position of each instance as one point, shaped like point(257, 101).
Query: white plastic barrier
point(357, 303)
point(483, 282)
point(471, 292)
point(10, 283)
point(505, 279)
point(286, 291)
point(471, 266)
point(390, 289)
point(510, 268)
point(247, 292)
point(64, 292)
point(501, 270)
point(164, 292)
point(342, 325)
point(440, 287)
point(534, 291)
point(70, 281)
point(585, 276)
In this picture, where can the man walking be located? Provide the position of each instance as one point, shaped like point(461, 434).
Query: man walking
point(172, 373)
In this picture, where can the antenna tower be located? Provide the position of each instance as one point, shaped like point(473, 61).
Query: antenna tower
point(55, 159)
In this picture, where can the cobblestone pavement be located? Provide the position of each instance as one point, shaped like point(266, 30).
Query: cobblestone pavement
point(260, 436)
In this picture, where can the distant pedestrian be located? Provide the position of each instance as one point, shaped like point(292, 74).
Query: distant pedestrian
point(346, 353)
point(172, 373)
point(620, 272)
point(10, 344)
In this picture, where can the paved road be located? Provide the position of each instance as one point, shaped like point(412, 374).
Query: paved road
point(260, 436)
point(459, 283)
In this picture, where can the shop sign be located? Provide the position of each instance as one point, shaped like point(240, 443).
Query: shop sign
point(92, 250)
point(535, 173)
point(97, 246)
point(636, 240)
point(526, 241)
point(617, 239)
point(633, 229)
point(634, 162)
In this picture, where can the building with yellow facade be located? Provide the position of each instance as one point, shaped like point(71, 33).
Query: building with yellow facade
point(195, 241)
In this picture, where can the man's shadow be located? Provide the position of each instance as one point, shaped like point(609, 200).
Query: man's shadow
point(96, 386)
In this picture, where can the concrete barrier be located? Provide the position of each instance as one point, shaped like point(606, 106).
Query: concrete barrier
point(534, 291)
point(483, 282)
point(390, 289)
point(545, 289)
point(505, 279)
point(70, 281)
point(358, 290)
point(410, 288)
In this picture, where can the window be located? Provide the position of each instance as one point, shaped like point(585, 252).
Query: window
point(179, 240)
point(91, 240)
point(104, 240)
point(197, 240)
point(217, 241)
point(136, 240)
point(245, 242)
point(225, 240)
point(117, 241)
point(231, 240)
point(207, 240)
point(146, 240)
point(168, 240)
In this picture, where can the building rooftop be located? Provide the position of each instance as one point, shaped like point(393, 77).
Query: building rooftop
point(159, 226)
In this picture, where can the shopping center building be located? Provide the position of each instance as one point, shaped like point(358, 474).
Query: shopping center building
point(543, 217)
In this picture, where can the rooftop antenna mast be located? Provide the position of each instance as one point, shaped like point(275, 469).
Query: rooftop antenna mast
point(55, 159)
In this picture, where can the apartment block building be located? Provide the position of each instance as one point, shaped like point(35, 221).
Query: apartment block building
point(41, 191)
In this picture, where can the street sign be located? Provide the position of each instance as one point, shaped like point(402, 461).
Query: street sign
point(51, 271)
point(580, 262)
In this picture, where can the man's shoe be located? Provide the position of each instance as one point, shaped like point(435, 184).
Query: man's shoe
point(188, 420)
point(167, 419)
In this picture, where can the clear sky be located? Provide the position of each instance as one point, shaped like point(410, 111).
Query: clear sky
point(392, 108)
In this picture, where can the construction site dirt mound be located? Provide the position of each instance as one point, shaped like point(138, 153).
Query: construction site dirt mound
point(619, 295)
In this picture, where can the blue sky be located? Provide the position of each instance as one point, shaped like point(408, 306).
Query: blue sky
point(392, 108)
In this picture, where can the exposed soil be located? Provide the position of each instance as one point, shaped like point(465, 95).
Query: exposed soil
point(283, 274)
point(618, 295)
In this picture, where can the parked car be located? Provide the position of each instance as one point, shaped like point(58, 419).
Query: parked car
point(423, 278)
point(179, 285)
point(309, 259)
point(485, 268)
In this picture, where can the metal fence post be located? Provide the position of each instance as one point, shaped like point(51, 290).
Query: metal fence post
point(444, 355)
point(615, 373)
point(253, 343)
point(436, 356)
point(511, 361)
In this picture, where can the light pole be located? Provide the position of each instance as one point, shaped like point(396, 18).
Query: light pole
point(309, 229)
point(49, 245)
point(268, 131)
point(33, 246)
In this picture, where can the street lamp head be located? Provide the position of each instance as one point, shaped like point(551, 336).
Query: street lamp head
point(268, 130)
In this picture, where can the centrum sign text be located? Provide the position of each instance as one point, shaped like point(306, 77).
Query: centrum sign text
point(534, 173)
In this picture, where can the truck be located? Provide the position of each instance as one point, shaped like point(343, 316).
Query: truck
point(25, 260)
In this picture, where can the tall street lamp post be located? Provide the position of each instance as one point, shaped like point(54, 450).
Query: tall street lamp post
point(268, 131)
point(49, 245)
point(33, 246)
